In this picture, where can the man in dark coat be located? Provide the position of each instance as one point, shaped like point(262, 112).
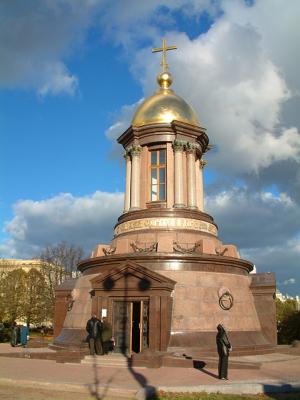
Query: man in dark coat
point(94, 328)
point(224, 347)
point(15, 333)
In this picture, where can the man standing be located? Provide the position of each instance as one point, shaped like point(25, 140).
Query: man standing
point(224, 347)
point(93, 328)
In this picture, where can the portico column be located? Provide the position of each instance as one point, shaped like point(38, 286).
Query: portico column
point(191, 170)
point(178, 172)
point(201, 191)
point(128, 182)
point(135, 178)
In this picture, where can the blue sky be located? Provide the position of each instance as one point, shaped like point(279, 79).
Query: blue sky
point(72, 75)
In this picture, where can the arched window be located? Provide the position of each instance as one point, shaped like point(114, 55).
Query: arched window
point(158, 175)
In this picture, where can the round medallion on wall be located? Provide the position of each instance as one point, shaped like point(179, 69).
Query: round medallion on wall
point(225, 299)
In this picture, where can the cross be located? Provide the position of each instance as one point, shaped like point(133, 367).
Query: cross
point(164, 50)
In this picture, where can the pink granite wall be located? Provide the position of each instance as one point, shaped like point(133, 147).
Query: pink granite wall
point(196, 302)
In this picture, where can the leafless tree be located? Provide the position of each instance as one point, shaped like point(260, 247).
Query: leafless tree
point(59, 262)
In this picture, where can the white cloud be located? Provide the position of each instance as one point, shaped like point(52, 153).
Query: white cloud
point(254, 219)
point(234, 78)
point(141, 20)
point(83, 221)
point(282, 259)
point(119, 127)
point(35, 40)
point(59, 81)
point(240, 103)
point(264, 226)
point(289, 281)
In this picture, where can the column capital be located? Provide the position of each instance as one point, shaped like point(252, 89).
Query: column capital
point(192, 147)
point(126, 153)
point(136, 150)
point(178, 145)
point(202, 163)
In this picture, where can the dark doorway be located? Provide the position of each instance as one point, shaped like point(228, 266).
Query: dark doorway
point(136, 326)
point(121, 326)
point(131, 326)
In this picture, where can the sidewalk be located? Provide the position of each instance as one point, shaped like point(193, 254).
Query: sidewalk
point(277, 372)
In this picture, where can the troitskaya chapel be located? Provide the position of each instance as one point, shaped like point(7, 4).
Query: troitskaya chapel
point(166, 280)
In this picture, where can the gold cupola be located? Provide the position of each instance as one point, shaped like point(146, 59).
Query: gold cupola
point(165, 105)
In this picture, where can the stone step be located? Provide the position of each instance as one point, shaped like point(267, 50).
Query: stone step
point(110, 360)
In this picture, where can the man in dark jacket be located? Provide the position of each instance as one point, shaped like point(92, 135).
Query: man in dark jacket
point(224, 347)
point(93, 328)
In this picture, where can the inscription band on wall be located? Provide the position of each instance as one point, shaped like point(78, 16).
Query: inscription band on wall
point(165, 223)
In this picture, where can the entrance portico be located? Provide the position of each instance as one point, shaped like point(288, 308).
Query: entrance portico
point(138, 304)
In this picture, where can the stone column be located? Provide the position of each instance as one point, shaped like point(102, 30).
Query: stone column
point(191, 175)
point(135, 178)
point(201, 191)
point(178, 172)
point(198, 186)
point(128, 182)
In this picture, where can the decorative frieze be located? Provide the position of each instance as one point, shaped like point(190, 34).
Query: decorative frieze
point(166, 223)
point(146, 249)
point(221, 252)
point(196, 248)
point(108, 251)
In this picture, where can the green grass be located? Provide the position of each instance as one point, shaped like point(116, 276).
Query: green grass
point(217, 396)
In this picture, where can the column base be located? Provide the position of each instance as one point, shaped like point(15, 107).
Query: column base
point(179, 206)
point(193, 207)
point(134, 208)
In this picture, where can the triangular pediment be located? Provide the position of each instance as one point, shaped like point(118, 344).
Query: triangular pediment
point(131, 276)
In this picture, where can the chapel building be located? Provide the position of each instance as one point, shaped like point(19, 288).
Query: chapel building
point(166, 280)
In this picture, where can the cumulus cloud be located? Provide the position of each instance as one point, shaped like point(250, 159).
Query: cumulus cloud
point(35, 39)
point(282, 259)
point(83, 221)
point(235, 76)
point(289, 281)
point(254, 219)
point(116, 130)
point(58, 80)
point(238, 100)
point(140, 21)
point(265, 227)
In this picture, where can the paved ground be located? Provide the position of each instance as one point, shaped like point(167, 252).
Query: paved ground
point(278, 372)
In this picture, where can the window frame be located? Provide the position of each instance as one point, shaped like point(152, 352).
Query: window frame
point(157, 167)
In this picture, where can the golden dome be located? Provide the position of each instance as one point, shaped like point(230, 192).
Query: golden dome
point(164, 106)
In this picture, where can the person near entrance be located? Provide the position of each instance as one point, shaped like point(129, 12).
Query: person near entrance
point(106, 336)
point(224, 347)
point(94, 328)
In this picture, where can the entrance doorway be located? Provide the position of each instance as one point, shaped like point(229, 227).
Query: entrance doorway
point(131, 326)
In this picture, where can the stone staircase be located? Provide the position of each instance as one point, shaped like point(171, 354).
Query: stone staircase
point(109, 360)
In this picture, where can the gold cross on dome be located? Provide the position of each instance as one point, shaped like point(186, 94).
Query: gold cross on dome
point(164, 50)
